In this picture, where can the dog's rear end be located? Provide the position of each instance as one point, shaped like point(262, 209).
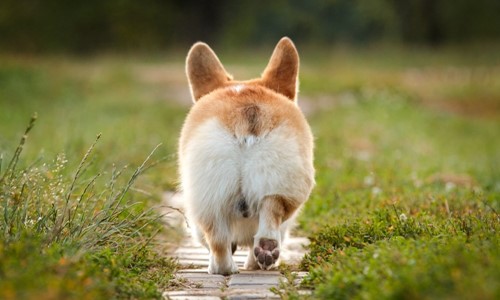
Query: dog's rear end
point(245, 157)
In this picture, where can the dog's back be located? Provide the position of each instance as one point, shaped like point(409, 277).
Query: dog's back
point(242, 143)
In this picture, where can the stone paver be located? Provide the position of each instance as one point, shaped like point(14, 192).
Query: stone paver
point(196, 283)
point(244, 279)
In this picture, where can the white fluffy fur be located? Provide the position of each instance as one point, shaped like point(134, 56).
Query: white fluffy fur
point(218, 169)
point(238, 88)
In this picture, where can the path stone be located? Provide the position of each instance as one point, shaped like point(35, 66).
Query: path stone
point(196, 283)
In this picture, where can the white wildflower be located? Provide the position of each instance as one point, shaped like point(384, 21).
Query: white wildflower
point(368, 180)
point(376, 191)
point(449, 186)
point(366, 270)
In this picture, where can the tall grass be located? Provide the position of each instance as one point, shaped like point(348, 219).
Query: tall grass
point(81, 215)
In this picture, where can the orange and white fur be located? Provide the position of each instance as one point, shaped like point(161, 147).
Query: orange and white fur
point(245, 157)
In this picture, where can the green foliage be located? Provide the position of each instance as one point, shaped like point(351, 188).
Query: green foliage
point(407, 190)
point(83, 27)
point(91, 239)
point(388, 225)
point(438, 267)
point(31, 269)
point(407, 198)
point(64, 218)
point(40, 199)
point(128, 25)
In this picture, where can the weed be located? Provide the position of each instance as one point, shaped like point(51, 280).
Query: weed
point(78, 229)
point(288, 287)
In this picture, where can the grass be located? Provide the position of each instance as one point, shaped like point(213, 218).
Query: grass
point(78, 213)
point(407, 154)
point(407, 197)
point(74, 237)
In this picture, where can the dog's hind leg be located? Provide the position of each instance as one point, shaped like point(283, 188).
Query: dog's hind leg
point(220, 246)
point(274, 211)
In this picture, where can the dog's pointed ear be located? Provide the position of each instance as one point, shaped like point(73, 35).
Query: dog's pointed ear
point(204, 71)
point(281, 73)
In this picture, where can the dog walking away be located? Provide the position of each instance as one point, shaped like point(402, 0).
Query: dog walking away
point(245, 157)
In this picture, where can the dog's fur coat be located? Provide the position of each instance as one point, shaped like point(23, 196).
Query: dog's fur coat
point(245, 157)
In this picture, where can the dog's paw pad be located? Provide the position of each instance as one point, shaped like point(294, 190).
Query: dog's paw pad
point(267, 253)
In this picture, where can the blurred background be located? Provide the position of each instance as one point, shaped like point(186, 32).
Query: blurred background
point(403, 98)
point(127, 25)
point(75, 60)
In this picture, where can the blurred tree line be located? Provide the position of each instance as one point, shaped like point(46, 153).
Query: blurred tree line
point(94, 25)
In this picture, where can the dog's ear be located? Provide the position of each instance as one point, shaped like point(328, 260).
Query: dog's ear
point(204, 71)
point(282, 70)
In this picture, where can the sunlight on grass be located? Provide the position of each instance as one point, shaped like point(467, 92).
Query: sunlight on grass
point(81, 225)
point(407, 155)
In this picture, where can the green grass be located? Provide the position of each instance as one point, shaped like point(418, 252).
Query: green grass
point(69, 236)
point(408, 191)
point(78, 216)
point(407, 154)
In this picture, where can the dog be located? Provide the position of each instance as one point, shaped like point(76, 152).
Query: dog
point(245, 157)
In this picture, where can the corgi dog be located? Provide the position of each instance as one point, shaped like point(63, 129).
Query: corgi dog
point(245, 157)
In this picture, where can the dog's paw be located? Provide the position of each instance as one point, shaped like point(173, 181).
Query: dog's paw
point(222, 269)
point(266, 253)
